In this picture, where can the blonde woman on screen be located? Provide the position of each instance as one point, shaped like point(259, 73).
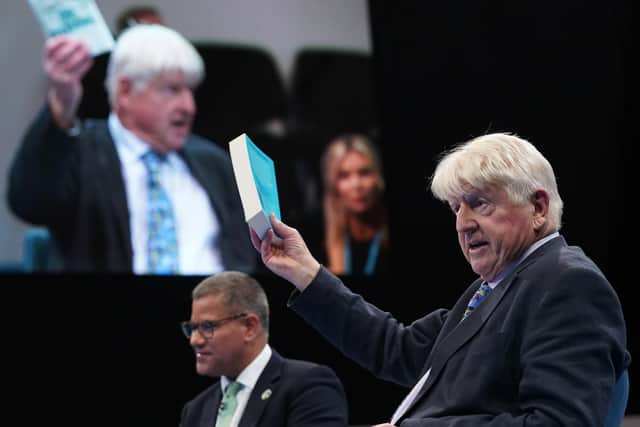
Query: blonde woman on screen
point(355, 218)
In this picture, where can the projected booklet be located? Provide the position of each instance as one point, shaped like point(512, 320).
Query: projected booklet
point(256, 180)
point(76, 18)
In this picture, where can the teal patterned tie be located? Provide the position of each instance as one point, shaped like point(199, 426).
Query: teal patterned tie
point(477, 298)
point(228, 404)
point(162, 245)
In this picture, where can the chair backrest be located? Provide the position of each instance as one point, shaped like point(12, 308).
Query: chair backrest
point(333, 91)
point(243, 91)
point(41, 253)
point(618, 402)
point(95, 101)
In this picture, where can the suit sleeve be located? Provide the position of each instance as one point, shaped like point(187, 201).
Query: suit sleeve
point(41, 180)
point(564, 346)
point(366, 334)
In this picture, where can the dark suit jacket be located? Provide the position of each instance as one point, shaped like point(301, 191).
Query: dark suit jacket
point(74, 186)
point(543, 349)
point(302, 394)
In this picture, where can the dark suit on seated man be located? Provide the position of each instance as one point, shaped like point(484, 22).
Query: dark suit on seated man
point(229, 330)
point(539, 339)
point(90, 184)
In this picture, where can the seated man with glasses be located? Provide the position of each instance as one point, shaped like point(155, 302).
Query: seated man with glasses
point(229, 331)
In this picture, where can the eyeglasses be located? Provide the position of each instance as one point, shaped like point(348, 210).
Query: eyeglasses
point(208, 327)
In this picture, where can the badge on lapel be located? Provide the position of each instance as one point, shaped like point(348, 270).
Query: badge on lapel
point(266, 394)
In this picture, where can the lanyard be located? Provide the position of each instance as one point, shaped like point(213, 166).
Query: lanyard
point(372, 255)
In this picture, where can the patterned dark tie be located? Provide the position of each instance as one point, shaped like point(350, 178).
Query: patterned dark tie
point(477, 298)
point(228, 404)
point(162, 245)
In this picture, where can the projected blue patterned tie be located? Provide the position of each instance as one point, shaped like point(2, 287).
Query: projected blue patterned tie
point(477, 298)
point(162, 245)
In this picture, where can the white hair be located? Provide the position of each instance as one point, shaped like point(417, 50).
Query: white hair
point(146, 50)
point(502, 159)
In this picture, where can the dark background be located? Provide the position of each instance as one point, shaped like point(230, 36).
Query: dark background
point(107, 350)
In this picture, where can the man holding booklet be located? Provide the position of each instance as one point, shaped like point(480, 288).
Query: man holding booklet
point(538, 339)
point(137, 192)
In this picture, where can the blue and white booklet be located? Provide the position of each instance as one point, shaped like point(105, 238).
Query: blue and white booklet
point(256, 181)
point(75, 18)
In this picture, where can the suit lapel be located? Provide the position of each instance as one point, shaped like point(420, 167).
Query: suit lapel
point(209, 417)
point(453, 320)
point(465, 330)
point(262, 392)
point(457, 333)
point(111, 172)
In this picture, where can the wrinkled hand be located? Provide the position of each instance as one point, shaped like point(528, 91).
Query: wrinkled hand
point(286, 254)
point(65, 63)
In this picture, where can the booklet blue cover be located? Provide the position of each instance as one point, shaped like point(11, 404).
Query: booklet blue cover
point(264, 175)
point(256, 181)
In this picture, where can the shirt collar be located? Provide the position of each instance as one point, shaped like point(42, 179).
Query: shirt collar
point(249, 375)
point(129, 146)
point(512, 265)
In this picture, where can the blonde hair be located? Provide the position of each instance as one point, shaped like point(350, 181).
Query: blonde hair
point(336, 217)
point(498, 159)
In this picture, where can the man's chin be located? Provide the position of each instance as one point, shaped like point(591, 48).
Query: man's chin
point(479, 269)
point(176, 143)
point(204, 371)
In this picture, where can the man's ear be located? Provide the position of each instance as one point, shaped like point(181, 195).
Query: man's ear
point(540, 202)
point(124, 90)
point(252, 323)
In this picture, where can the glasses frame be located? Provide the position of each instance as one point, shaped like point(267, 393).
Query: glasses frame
point(207, 328)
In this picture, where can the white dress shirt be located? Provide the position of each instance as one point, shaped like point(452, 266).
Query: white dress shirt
point(248, 378)
point(197, 225)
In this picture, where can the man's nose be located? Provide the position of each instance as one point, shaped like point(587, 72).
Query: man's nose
point(187, 101)
point(465, 220)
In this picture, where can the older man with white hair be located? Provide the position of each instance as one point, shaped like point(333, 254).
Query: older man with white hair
point(538, 339)
point(137, 192)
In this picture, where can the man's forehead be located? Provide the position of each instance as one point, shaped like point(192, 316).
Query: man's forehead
point(169, 76)
point(469, 192)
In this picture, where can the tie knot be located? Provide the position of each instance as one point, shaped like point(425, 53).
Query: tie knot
point(228, 404)
point(152, 160)
point(233, 388)
point(477, 298)
point(484, 288)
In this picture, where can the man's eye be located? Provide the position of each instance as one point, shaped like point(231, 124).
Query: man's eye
point(476, 202)
point(207, 326)
point(169, 89)
point(484, 207)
